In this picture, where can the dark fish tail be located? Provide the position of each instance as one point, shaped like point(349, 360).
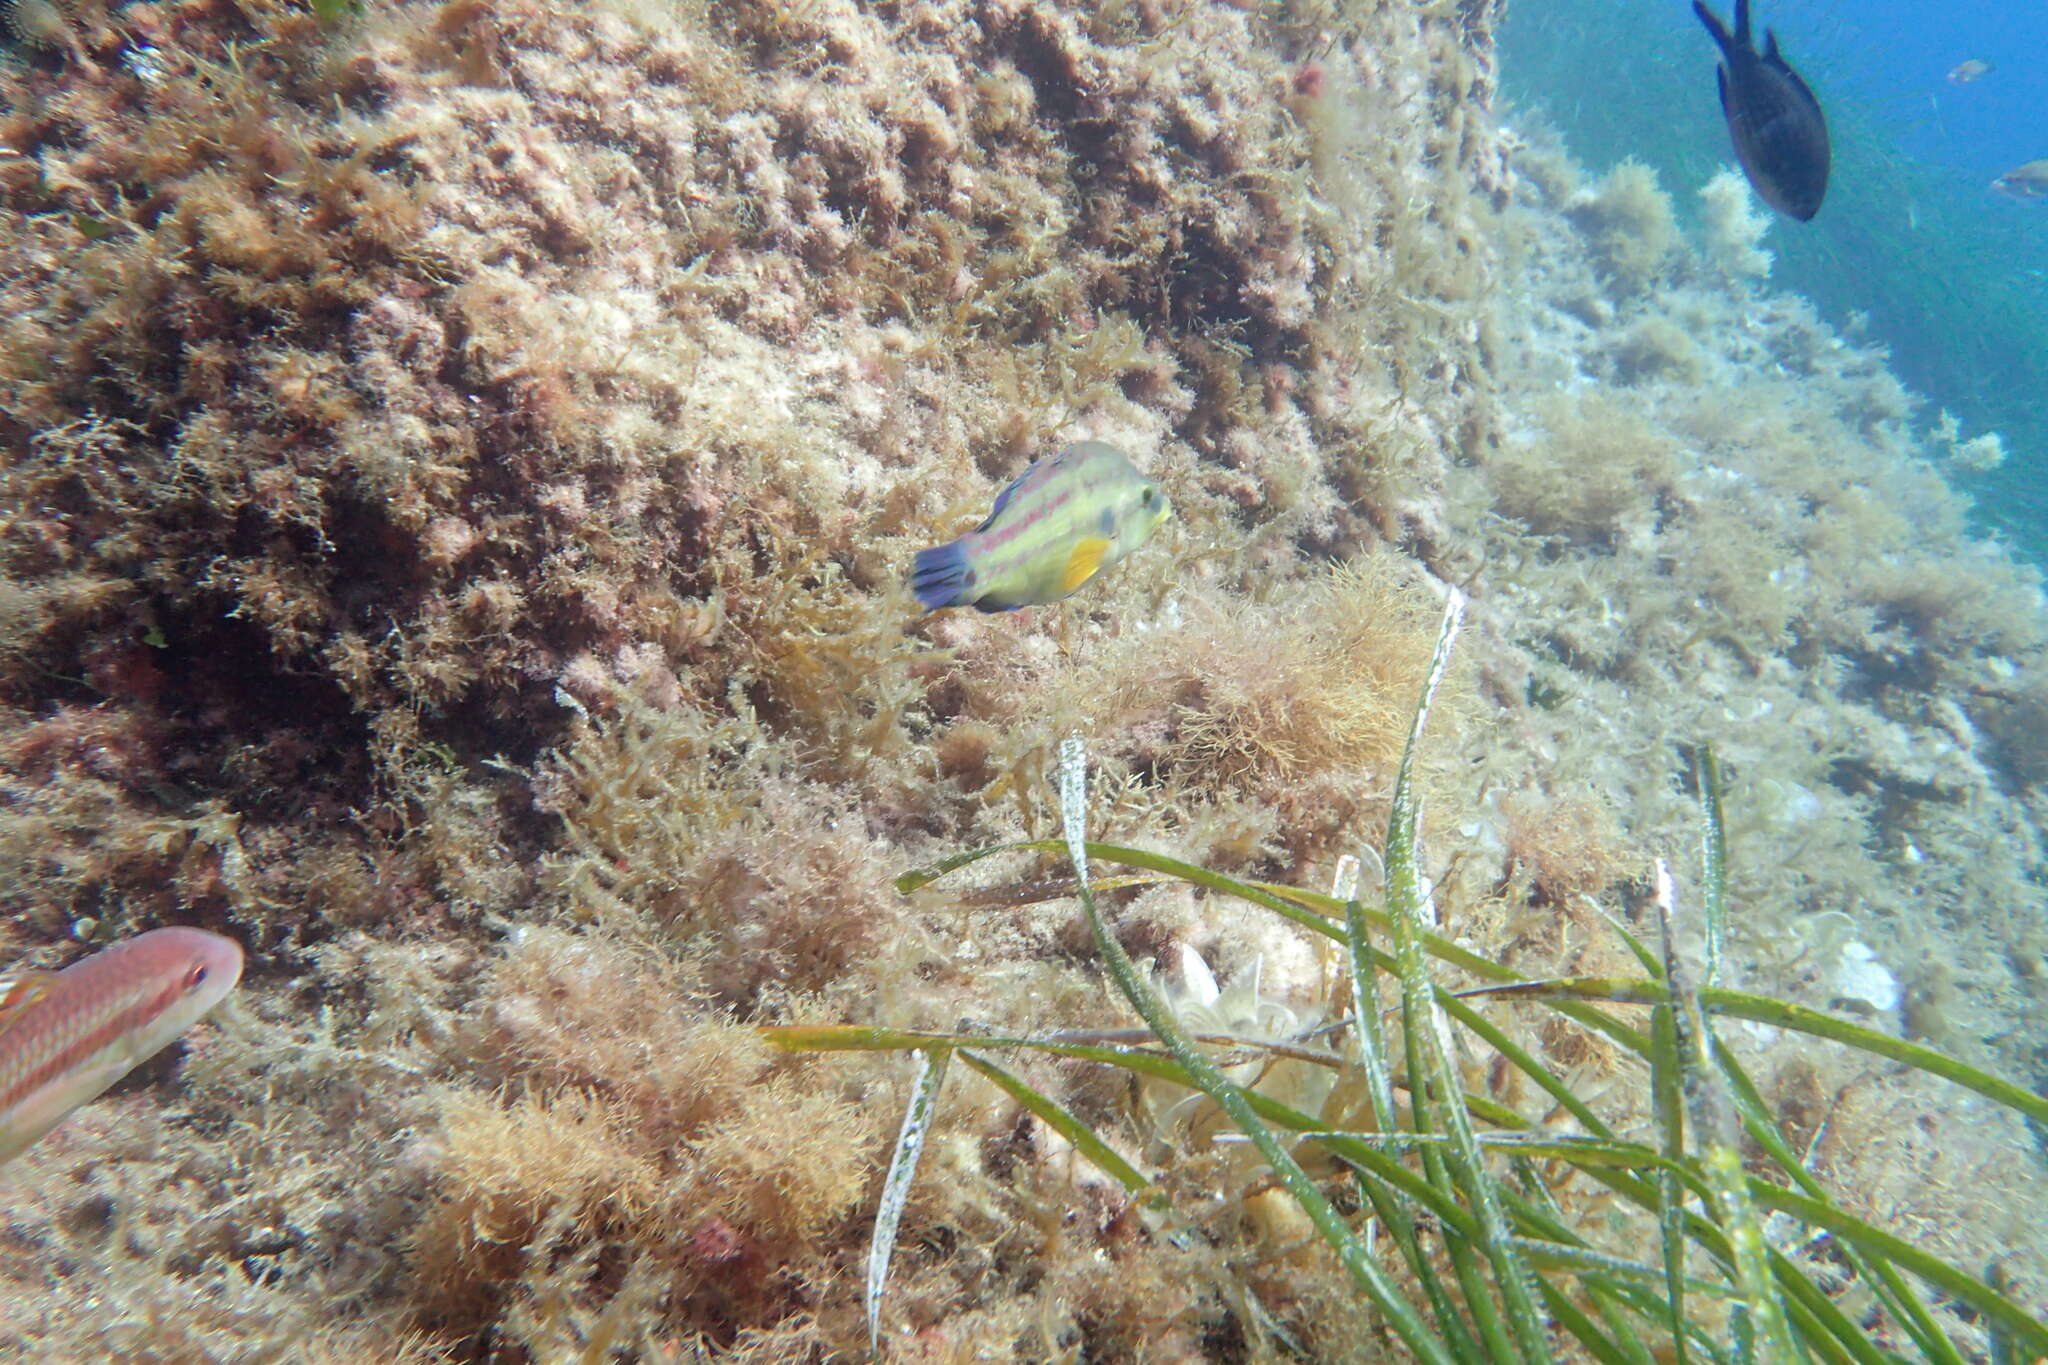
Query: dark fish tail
point(942, 577)
point(1742, 23)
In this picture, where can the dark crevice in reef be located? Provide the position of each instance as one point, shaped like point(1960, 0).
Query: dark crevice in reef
point(282, 738)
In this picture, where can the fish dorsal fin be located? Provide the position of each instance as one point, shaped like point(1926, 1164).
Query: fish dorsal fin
point(1003, 499)
point(1084, 562)
point(1771, 47)
point(20, 990)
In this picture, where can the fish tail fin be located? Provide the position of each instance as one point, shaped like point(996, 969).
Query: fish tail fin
point(941, 576)
point(1742, 22)
point(1713, 23)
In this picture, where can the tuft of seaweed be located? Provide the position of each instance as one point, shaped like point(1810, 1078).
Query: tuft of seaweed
point(1630, 227)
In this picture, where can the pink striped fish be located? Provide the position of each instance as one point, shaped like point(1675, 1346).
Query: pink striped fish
point(66, 1036)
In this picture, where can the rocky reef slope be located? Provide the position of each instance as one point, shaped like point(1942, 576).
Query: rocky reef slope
point(461, 463)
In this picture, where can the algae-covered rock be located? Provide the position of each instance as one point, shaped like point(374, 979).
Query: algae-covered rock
point(463, 462)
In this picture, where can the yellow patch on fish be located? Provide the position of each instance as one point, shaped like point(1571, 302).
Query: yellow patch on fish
point(1052, 529)
point(1086, 560)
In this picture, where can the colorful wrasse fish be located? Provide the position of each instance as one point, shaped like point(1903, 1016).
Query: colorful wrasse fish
point(66, 1036)
point(1054, 527)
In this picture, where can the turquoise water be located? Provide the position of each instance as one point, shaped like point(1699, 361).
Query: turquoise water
point(1952, 277)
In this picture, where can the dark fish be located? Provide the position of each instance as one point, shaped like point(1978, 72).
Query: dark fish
point(1779, 133)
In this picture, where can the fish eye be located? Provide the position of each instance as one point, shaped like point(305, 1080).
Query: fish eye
point(1145, 498)
point(196, 977)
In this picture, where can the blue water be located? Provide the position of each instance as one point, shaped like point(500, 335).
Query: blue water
point(1952, 277)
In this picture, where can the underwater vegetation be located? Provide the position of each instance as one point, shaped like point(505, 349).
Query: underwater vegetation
point(1459, 1219)
point(1790, 538)
point(461, 463)
point(1917, 252)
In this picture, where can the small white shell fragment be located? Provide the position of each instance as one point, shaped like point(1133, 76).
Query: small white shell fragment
point(1862, 977)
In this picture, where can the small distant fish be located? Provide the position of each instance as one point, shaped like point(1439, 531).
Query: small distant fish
point(66, 1036)
point(1054, 527)
point(1780, 135)
point(1962, 73)
point(2028, 183)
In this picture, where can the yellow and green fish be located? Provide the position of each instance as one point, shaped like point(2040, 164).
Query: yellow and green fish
point(66, 1036)
point(1054, 527)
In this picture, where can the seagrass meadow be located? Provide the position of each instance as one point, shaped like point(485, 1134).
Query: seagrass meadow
point(461, 467)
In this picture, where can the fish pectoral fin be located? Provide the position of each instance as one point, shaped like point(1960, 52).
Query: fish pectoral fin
point(18, 991)
point(1084, 562)
point(1721, 82)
